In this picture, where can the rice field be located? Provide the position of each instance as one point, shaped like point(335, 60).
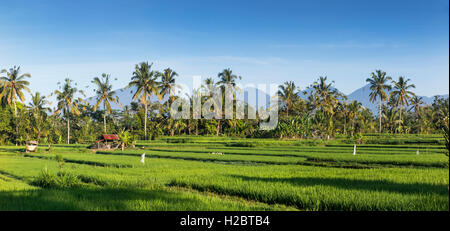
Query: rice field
point(388, 173)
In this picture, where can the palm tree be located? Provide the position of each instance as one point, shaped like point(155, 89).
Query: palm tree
point(210, 87)
point(345, 110)
point(378, 86)
point(145, 81)
point(67, 102)
point(416, 104)
point(227, 77)
point(327, 99)
point(401, 93)
point(167, 82)
point(104, 94)
point(12, 86)
point(167, 87)
point(288, 94)
point(39, 111)
point(353, 112)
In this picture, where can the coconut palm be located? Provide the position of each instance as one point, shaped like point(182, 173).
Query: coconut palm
point(105, 94)
point(378, 85)
point(145, 81)
point(416, 102)
point(168, 84)
point(328, 99)
point(327, 95)
point(401, 93)
point(68, 102)
point(39, 112)
point(210, 88)
point(227, 77)
point(288, 95)
point(354, 109)
point(12, 86)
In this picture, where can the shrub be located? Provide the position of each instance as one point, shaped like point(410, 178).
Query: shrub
point(46, 179)
point(60, 161)
point(67, 180)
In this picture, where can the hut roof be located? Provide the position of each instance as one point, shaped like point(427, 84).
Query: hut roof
point(109, 137)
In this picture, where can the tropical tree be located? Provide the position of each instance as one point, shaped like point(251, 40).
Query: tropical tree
point(168, 84)
point(328, 99)
point(145, 81)
point(401, 94)
point(209, 88)
point(105, 94)
point(68, 103)
point(416, 104)
point(353, 112)
point(12, 86)
point(378, 85)
point(227, 77)
point(288, 95)
point(126, 139)
point(39, 112)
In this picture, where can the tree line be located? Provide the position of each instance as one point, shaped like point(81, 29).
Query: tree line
point(323, 112)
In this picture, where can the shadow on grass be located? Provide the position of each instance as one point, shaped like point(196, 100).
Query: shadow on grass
point(369, 185)
point(246, 162)
point(85, 162)
point(96, 199)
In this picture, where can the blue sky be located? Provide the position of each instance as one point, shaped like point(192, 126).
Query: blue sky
point(263, 41)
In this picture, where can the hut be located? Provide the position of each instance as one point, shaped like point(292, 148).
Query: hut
point(31, 146)
point(105, 138)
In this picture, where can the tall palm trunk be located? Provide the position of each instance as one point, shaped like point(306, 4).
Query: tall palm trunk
point(345, 124)
point(353, 126)
point(400, 122)
point(218, 127)
point(379, 115)
point(418, 119)
point(145, 116)
point(196, 128)
point(15, 109)
point(189, 126)
point(68, 129)
point(15, 118)
point(104, 116)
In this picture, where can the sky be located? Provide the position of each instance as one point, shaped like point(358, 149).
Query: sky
point(262, 41)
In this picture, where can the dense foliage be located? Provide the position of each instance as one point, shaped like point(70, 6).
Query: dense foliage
point(325, 113)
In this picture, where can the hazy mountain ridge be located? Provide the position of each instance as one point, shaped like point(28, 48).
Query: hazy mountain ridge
point(360, 94)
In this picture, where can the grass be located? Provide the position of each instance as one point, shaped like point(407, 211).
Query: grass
point(182, 173)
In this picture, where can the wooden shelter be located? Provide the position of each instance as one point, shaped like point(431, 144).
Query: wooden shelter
point(31, 146)
point(103, 140)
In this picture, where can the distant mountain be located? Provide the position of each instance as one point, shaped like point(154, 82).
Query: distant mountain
point(362, 95)
point(126, 97)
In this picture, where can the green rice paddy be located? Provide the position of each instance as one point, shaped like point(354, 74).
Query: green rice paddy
point(220, 173)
